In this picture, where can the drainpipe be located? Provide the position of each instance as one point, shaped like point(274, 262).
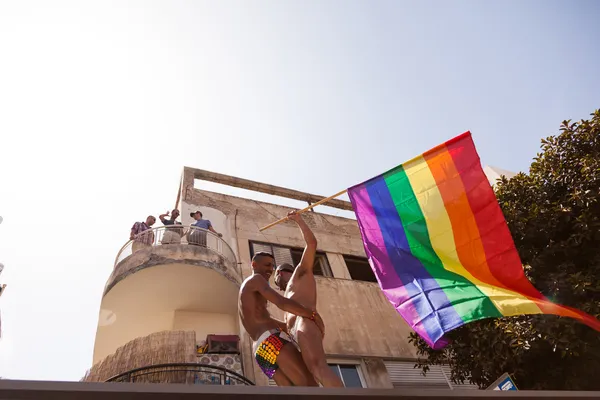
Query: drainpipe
point(237, 243)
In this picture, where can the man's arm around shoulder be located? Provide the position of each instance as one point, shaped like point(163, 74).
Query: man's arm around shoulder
point(261, 285)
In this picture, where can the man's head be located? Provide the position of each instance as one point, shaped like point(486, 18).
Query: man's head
point(174, 213)
point(150, 220)
point(197, 215)
point(263, 264)
point(283, 274)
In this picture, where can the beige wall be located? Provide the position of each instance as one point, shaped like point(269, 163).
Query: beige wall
point(359, 321)
point(205, 323)
point(128, 326)
point(147, 301)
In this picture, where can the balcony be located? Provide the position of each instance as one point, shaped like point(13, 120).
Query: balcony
point(163, 282)
point(167, 245)
point(187, 373)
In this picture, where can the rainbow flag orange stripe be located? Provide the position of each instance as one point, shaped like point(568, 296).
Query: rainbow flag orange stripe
point(439, 245)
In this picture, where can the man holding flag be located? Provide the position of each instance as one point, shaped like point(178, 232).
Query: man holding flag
point(299, 285)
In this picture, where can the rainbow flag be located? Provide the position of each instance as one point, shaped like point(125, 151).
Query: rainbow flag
point(439, 245)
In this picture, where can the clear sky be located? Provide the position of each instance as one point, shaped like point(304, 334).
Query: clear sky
point(103, 103)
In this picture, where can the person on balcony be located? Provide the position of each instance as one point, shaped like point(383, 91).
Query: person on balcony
point(198, 236)
point(174, 230)
point(141, 234)
point(274, 352)
point(299, 285)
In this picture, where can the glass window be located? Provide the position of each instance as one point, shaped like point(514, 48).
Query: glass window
point(321, 266)
point(292, 256)
point(348, 373)
point(360, 269)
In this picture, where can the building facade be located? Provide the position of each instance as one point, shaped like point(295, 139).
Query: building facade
point(169, 310)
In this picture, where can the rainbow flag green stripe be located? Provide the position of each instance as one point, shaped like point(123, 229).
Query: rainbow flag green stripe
point(440, 247)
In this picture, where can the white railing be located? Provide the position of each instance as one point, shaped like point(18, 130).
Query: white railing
point(178, 234)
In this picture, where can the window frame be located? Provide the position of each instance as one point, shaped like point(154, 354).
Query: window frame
point(357, 258)
point(357, 365)
point(320, 257)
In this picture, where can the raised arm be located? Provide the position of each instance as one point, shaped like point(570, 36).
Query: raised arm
point(163, 217)
point(307, 262)
point(288, 305)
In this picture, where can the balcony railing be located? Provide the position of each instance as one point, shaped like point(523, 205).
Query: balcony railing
point(185, 235)
point(190, 373)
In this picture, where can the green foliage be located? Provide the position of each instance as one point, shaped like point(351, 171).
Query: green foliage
point(553, 213)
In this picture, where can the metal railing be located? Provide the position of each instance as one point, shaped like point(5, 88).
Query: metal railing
point(178, 234)
point(190, 373)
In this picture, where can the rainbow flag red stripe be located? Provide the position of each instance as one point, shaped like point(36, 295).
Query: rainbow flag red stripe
point(439, 245)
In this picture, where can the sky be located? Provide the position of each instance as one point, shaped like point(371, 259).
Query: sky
point(102, 104)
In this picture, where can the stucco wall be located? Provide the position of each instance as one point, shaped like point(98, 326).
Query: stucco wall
point(129, 325)
point(359, 321)
point(205, 323)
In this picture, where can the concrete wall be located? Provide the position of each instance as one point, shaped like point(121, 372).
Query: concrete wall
point(205, 323)
point(359, 321)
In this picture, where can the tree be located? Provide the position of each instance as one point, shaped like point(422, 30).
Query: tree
point(553, 213)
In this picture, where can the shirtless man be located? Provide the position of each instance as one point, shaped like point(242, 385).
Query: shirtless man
point(299, 284)
point(276, 356)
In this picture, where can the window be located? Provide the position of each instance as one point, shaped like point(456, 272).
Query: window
point(360, 269)
point(349, 373)
point(292, 256)
point(321, 266)
point(404, 375)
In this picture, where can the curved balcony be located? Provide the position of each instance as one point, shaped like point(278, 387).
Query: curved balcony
point(175, 245)
point(189, 373)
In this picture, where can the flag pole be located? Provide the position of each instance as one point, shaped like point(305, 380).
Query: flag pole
point(306, 209)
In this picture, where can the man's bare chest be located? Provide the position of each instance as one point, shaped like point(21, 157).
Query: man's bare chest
point(300, 286)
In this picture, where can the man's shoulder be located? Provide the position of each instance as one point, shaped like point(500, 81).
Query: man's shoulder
point(253, 278)
point(249, 285)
